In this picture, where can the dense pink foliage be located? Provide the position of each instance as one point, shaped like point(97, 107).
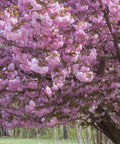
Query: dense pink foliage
point(59, 61)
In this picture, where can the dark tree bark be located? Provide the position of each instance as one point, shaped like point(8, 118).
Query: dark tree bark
point(65, 132)
point(109, 127)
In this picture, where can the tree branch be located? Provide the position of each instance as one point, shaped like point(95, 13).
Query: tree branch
point(115, 39)
point(12, 43)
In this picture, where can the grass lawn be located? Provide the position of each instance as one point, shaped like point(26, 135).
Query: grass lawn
point(35, 141)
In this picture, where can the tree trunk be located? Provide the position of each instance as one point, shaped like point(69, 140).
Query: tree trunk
point(4, 132)
point(99, 137)
point(65, 132)
point(109, 127)
point(110, 130)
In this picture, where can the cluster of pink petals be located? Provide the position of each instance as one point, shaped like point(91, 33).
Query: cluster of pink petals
point(58, 61)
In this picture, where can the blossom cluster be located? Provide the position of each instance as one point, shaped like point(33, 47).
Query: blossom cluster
point(58, 61)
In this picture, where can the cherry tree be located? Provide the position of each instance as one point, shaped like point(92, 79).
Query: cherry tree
point(59, 63)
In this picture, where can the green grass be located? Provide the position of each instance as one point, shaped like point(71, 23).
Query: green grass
point(34, 141)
